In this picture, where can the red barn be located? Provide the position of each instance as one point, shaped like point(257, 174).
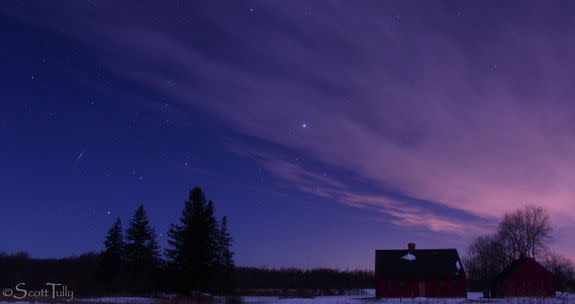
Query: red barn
point(419, 273)
point(524, 278)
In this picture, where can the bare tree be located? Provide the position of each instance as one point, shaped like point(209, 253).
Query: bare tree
point(562, 268)
point(486, 257)
point(525, 232)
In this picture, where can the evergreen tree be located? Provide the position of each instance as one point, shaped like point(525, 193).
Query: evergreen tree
point(213, 236)
point(115, 240)
point(179, 234)
point(194, 244)
point(225, 257)
point(141, 249)
point(112, 258)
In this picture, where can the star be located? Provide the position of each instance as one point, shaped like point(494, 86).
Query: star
point(304, 125)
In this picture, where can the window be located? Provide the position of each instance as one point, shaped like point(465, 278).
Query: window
point(402, 286)
point(389, 285)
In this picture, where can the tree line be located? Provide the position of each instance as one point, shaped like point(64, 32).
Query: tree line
point(327, 280)
point(198, 257)
point(523, 233)
point(81, 275)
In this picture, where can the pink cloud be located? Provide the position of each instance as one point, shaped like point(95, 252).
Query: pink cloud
point(485, 156)
point(481, 125)
point(462, 135)
point(400, 212)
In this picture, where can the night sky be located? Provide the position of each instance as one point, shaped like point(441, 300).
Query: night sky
point(322, 129)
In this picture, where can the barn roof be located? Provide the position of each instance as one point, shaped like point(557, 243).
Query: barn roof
point(509, 270)
point(420, 262)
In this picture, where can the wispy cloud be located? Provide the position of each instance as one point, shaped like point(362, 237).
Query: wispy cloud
point(394, 210)
point(481, 125)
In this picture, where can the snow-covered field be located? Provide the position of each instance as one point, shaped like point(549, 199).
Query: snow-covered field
point(366, 298)
point(472, 298)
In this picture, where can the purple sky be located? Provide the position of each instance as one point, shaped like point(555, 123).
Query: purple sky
point(394, 121)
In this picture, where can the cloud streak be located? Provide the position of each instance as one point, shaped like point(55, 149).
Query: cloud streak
point(397, 211)
point(469, 110)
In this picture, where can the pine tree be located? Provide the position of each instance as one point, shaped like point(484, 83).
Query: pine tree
point(112, 258)
point(178, 235)
point(141, 249)
point(194, 244)
point(115, 240)
point(225, 257)
point(213, 236)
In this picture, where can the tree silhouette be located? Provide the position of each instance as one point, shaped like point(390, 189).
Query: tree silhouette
point(225, 257)
point(523, 233)
point(195, 244)
point(526, 232)
point(112, 258)
point(224, 245)
point(142, 248)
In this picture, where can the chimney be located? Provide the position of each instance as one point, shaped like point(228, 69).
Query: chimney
point(411, 247)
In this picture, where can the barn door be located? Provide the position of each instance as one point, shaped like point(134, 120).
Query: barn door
point(422, 288)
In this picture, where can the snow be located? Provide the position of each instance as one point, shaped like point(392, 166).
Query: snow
point(409, 257)
point(475, 295)
point(366, 297)
point(565, 295)
point(472, 298)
